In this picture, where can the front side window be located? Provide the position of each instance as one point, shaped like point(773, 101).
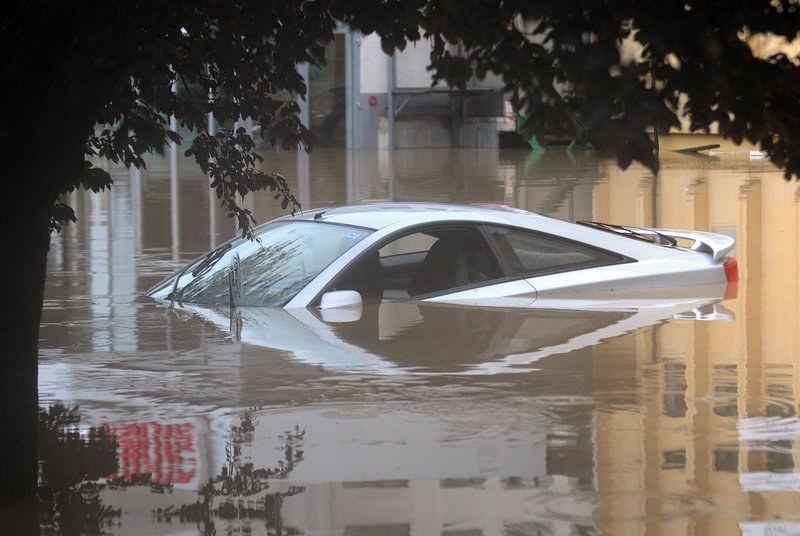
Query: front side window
point(286, 256)
point(428, 261)
point(533, 253)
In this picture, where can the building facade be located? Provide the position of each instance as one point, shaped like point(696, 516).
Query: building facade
point(362, 98)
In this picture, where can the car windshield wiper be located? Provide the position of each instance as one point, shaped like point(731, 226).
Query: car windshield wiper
point(650, 235)
point(210, 260)
point(202, 267)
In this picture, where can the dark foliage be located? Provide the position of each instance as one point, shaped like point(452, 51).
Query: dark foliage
point(129, 66)
point(697, 52)
point(71, 463)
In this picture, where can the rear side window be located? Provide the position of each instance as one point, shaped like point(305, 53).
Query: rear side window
point(532, 253)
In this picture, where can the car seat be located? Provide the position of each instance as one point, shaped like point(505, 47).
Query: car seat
point(444, 267)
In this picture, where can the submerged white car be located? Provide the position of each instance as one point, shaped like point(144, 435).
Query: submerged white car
point(469, 254)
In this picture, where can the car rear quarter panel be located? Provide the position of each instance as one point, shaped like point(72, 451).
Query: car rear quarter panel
point(511, 294)
point(644, 274)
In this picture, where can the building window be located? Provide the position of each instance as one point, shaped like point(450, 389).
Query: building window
point(674, 459)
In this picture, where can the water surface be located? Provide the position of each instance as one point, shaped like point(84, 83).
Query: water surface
point(421, 419)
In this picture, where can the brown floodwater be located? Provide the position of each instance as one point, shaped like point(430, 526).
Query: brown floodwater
point(675, 417)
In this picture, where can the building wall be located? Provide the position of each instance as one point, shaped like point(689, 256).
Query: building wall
point(430, 115)
point(425, 114)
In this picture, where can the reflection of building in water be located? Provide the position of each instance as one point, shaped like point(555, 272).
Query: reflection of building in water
point(469, 506)
point(721, 414)
point(440, 467)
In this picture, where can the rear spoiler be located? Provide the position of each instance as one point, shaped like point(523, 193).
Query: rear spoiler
point(716, 245)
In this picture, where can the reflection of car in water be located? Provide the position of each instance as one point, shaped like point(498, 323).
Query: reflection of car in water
point(471, 255)
point(432, 338)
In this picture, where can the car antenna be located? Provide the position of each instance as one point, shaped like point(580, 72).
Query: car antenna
point(318, 215)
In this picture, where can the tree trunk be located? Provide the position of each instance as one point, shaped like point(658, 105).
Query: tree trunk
point(24, 239)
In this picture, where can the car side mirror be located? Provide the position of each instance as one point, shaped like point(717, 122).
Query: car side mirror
point(341, 306)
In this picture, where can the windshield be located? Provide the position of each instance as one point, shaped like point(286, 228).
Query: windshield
point(268, 271)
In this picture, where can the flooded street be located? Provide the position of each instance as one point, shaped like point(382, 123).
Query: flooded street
point(678, 415)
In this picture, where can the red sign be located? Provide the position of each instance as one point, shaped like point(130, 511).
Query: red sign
point(164, 451)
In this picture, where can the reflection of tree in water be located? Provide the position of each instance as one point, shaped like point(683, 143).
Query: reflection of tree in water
point(74, 463)
point(70, 464)
point(269, 275)
point(272, 275)
point(239, 492)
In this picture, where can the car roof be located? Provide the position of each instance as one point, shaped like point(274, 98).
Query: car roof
point(379, 215)
point(393, 216)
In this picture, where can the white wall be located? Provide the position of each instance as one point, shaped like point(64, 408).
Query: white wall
point(374, 66)
point(411, 66)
